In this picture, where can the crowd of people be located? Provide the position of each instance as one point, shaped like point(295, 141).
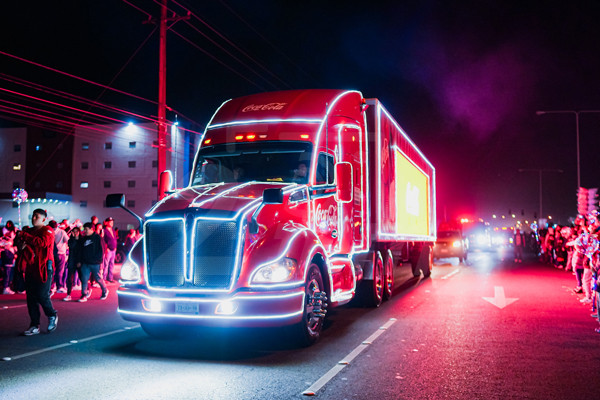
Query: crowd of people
point(83, 257)
point(576, 249)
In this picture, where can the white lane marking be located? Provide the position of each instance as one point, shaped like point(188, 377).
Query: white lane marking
point(456, 271)
point(9, 307)
point(70, 343)
point(315, 387)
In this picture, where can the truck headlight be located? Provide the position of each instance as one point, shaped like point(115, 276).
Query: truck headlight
point(456, 243)
point(130, 271)
point(281, 270)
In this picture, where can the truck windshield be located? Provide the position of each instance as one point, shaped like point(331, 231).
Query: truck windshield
point(256, 161)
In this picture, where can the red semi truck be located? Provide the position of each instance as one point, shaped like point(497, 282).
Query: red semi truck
point(298, 201)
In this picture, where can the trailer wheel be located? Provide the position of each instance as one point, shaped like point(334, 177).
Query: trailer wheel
point(388, 275)
point(373, 289)
point(309, 329)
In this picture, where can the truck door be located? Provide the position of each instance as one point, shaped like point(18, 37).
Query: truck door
point(325, 207)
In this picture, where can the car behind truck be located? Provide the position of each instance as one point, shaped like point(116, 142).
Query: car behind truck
point(298, 201)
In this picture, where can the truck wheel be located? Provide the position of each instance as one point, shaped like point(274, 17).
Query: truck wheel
point(373, 289)
point(309, 329)
point(388, 276)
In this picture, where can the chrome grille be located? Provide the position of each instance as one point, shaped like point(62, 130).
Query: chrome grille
point(165, 246)
point(214, 253)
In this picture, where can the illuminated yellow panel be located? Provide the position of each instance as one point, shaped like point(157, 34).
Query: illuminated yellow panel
point(412, 192)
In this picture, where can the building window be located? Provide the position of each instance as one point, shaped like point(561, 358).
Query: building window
point(130, 203)
point(154, 163)
point(16, 185)
point(131, 184)
point(85, 146)
point(59, 165)
point(38, 148)
point(131, 164)
point(107, 164)
point(107, 145)
point(17, 147)
point(83, 203)
point(84, 185)
point(16, 166)
point(59, 185)
point(154, 183)
point(84, 165)
point(107, 184)
point(132, 145)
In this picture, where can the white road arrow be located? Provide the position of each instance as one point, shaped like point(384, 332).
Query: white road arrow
point(499, 300)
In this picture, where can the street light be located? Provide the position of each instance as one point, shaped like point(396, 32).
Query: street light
point(576, 112)
point(539, 170)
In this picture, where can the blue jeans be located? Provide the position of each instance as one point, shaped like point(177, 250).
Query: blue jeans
point(109, 264)
point(9, 271)
point(94, 269)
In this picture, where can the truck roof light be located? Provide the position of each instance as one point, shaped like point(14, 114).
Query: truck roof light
point(251, 136)
point(207, 141)
point(239, 137)
point(262, 136)
point(304, 136)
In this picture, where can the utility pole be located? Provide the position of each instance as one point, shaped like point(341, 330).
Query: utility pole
point(162, 90)
point(162, 94)
point(540, 171)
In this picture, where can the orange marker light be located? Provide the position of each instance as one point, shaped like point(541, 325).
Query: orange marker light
point(207, 141)
point(251, 137)
point(304, 136)
point(239, 137)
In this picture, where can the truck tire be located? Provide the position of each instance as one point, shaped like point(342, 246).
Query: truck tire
point(309, 329)
point(388, 275)
point(372, 290)
point(422, 261)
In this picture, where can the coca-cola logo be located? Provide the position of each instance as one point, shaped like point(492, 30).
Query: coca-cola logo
point(264, 107)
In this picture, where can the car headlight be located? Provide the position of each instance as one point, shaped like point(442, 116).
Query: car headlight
point(130, 271)
point(279, 271)
point(456, 243)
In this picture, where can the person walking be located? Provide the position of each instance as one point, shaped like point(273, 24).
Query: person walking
point(110, 238)
point(89, 260)
point(519, 243)
point(36, 247)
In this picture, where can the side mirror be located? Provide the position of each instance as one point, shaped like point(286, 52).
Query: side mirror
point(115, 200)
point(273, 196)
point(166, 183)
point(343, 177)
point(270, 196)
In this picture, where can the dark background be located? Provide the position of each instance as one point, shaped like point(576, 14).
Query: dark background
point(464, 79)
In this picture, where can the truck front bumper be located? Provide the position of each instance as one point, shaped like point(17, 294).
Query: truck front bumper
point(244, 309)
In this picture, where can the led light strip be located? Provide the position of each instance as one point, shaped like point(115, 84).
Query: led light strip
point(158, 221)
point(239, 297)
point(265, 121)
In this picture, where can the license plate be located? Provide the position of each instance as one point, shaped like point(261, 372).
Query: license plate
point(444, 250)
point(187, 308)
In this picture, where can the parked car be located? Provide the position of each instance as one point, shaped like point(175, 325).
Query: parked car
point(450, 244)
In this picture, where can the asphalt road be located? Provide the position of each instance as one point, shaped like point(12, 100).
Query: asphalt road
point(487, 329)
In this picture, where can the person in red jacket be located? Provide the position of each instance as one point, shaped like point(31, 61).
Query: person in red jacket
point(36, 247)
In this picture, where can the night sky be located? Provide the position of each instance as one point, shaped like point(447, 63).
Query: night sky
point(463, 78)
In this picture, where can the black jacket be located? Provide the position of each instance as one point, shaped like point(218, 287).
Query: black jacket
point(90, 249)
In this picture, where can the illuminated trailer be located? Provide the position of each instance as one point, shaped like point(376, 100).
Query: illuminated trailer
point(298, 201)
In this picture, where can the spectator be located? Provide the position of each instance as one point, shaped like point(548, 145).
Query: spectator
point(72, 270)
point(36, 258)
point(61, 240)
point(519, 244)
point(89, 259)
point(9, 227)
point(110, 250)
point(7, 257)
